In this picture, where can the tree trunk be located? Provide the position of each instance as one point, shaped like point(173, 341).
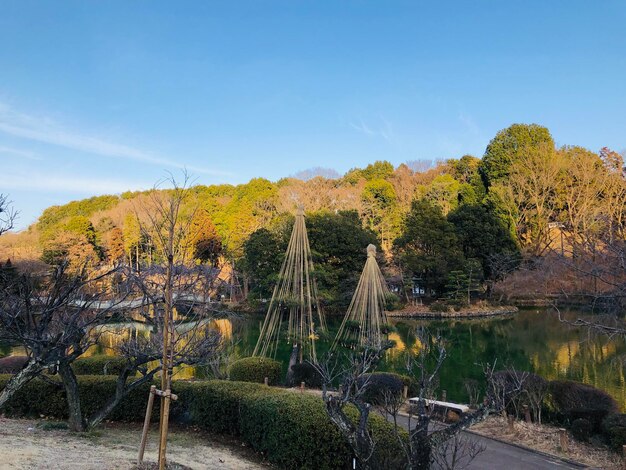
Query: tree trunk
point(76, 422)
point(295, 353)
point(359, 439)
point(468, 420)
point(121, 390)
point(29, 372)
point(421, 446)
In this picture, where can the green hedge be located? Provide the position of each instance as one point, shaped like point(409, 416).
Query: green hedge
point(291, 429)
point(39, 397)
point(255, 369)
point(381, 382)
point(98, 365)
point(93, 365)
point(568, 401)
point(614, 428)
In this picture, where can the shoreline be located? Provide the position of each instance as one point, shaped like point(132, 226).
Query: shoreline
point(423, 312)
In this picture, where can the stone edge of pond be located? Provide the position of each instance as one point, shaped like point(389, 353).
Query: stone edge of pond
point(490, 312)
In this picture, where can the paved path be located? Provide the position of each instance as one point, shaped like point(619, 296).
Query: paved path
point(498, 455)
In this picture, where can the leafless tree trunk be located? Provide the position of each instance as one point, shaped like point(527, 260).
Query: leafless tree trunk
point(423, 445)
point(70, 384)
point(51, 317)
point(8, 214)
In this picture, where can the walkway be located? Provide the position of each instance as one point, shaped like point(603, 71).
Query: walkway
point(498, 455)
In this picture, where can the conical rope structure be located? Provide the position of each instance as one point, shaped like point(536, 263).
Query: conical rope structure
point(294, 299)
point(365, 322)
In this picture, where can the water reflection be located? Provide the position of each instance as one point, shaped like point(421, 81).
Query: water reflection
point(532, 340)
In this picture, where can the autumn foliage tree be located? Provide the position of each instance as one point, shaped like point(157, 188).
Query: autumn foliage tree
point(204, 243)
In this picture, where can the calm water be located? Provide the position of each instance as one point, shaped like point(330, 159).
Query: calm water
point(531, 340)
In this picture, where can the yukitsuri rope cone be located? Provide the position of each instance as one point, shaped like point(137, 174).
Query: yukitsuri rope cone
point(365, 322)
point(294, 299)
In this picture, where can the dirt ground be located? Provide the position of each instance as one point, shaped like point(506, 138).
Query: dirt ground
point(36, 444)
point(546, 439)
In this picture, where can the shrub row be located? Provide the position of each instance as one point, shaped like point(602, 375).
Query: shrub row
point(381, 383)
point(255, 369)
point(99, 365)
point(568, 402)
point(47, 398)
point(93, 365)
point(291, 429)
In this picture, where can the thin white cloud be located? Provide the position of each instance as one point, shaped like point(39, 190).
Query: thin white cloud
point(385, 131)
point(42, 129)
point(69, 184)
point(18, 153)
point(362, 127)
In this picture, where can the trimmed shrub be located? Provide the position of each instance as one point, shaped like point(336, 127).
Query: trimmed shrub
point(569, 401)
point(255, 369)
point(614, 428)
point(305, 372)
point(93, 365)
point(291, 429)
point(47, 398)
point(581, 429)
point(99, 365)
point(296, 432)
point(12, 364)
point(381, 383)
point(215, 405)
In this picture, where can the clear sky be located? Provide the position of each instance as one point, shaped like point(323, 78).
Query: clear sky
point(101, 97)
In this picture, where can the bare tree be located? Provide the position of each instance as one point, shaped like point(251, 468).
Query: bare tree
point(53, 317)
point(174, 284)
point(472, 389)
point(457, 453)
point(354, 381)
point(8, 214)
point(424, 443)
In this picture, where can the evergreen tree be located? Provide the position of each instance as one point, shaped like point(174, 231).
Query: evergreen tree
point(507, 147)
point(428, 247)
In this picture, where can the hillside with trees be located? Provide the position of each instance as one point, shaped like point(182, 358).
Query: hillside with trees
point(528, 218)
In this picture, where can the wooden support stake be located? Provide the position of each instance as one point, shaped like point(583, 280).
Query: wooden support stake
point(164, 426)
point(405, 392)
point(511, 421)
point(146, 425)
point(172, 396)
point(563, 440)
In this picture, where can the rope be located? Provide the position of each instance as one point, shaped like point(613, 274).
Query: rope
point(294, 296)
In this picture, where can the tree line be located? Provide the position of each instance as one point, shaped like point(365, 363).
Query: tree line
point(452, 228)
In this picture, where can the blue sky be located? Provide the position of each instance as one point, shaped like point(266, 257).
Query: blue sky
point(100, 97)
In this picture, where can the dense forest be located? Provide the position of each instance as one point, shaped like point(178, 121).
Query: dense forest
point(527, 218)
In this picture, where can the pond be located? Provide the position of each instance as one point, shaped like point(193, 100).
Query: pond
point(532, 340)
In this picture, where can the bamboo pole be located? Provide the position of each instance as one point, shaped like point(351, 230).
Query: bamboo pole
point(294, 297)
point(367, 308)
point(165, 373)
point(146, 425)
point(164, 422)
